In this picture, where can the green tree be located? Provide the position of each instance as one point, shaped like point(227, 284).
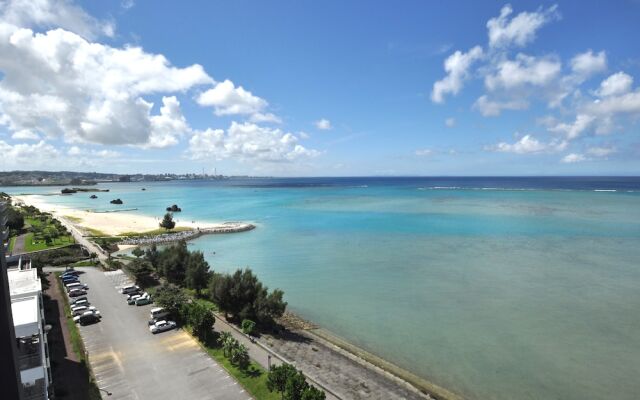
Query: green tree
point(201, 320)
point(93, 256)
point(248, 326)
point(153, 255)
point(142, 271)
point(15, 219)
point(172, 262)
point(167, 222)
point(240, 356)
point(220, 287)
point(138, 252)
point(278, 377)
point(171, 298)
point(197, 272)
point(295, 387)
point(223, 339)
point(313, 393)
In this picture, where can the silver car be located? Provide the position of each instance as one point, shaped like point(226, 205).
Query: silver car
point(162, 326)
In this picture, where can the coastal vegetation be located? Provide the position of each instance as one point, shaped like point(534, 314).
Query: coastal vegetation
point(167, 222)
point(37, 230)
point(292, 384)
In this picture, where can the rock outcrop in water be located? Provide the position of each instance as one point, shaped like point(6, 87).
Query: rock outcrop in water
point(174, 208)
point(116, 201)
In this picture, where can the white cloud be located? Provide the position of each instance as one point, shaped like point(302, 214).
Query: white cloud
point(22, 154)
point(265, 117)
point(74, 151)
point(628, 103)
point(450, 122)
point(127, 4)
point(523, 70)
point(60, 85)
point(601, 151)
point(616, 84)
point(323, 124)
point(528, 145)
point(54, 13)
point(25, 134)
point(169, 125)
point(573, 158)
point(248, 142)
point(424, 152)
point(457, 68)
point(490, 108)
point(227, 99)
point(519, 30)
point(586, 64)
point(575, 129)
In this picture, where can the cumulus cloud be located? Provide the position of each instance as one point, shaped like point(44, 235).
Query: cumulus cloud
point(524, 70)
point(491, 108)
point(265, 118)
point(323, 124)
point(169, 125)
point(457, 68)
point(573, 158)
point(39, 154)
point(601, 151)
point(575, 129)
point(61, 85)
point(25, 134)
point(227, 99)
point(249, 142)
point(520, 30)
point(586, 64)
point(528, 145)
point(616, 84)
point(54, 13)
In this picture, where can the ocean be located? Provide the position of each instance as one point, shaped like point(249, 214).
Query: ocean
point(495, 288)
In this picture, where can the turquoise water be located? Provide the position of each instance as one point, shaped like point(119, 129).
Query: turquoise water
point(495, 294)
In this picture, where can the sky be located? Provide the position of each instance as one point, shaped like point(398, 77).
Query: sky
point(331, 88)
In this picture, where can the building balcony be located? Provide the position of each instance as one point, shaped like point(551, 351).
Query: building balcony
point(29, 352)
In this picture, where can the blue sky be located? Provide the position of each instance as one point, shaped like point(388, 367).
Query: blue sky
point(321, 88)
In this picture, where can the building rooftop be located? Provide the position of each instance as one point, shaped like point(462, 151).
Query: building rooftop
point(23, 282)
point(25, 316)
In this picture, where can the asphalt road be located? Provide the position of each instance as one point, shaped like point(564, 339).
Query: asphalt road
point(131, 363)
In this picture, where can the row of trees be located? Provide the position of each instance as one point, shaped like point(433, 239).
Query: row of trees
point(236, 352)
point(198, 316)
point(291, 384)
point(240, 294)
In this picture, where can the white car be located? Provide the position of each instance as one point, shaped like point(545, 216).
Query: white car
point(78, 303)
point(75, 311)
point(91, 312)
point(129, 289)
point(162, 326)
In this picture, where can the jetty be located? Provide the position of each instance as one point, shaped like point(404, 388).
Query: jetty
point(227, 227)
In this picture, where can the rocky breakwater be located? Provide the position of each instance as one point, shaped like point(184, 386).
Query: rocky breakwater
point(227, 227)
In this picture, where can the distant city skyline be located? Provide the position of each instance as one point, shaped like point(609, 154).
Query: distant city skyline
point(301, 88)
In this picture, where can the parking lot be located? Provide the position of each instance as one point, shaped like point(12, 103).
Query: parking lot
point(131, 363)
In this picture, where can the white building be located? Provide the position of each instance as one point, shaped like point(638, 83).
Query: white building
point(25, 291)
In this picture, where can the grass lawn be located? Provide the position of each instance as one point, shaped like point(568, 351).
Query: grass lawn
point(253, 380)
point(94, 232)
point(12, 242)
point(73, 219)
point(85, 263)
point(77, 343)
point(31, 245)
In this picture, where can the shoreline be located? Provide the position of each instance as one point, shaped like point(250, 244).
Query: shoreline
point(120, 222)
point(123, 222)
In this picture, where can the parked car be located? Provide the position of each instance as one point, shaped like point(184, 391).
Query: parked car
point(82, 302)
point(162, 326)
point(82, 309)
point(76, 300)
point(131, 301)
point(77, 292)
point(129, 289)
point(76, 285)
point(89, 318)
point(137, 293)
point(158, 313)
point(70, 272)
point(143, 300)
point(90, 312)
point(69, 279)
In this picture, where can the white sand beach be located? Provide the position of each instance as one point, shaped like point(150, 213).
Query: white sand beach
point(109, 223)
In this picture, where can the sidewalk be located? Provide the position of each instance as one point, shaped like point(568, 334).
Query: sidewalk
point(259, 353)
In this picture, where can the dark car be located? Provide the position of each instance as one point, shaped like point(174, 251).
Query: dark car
point(77, 293)
point(69, 273)
point(88, 318)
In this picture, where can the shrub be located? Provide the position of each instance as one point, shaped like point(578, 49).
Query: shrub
point(248, 326)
